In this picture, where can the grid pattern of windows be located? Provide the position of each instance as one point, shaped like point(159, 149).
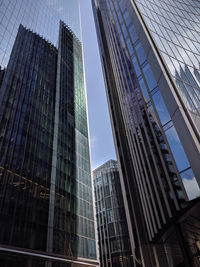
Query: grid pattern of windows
point(26, 141)
point(175, 27)
point(72, 155)
point(156, 171)
point(144, 75)
point(46, 192)
point(41, 16)
point(111, 219)
point(148, 124)
point(46, 199)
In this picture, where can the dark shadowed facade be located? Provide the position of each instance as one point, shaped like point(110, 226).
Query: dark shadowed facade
point(112, 228)
point(154, 115)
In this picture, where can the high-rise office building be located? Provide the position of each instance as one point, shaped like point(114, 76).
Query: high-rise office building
point(150, 57)
point(46, 202)
point(112, 228)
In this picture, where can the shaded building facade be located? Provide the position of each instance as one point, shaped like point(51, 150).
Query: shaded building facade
point(46, 203)
point(156, 135)
point(112, 228)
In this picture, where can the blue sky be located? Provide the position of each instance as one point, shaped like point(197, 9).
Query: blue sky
point(101, 140)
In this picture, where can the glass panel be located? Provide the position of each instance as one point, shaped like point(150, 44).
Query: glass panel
point(140, 53)
point(190, 184)
point(149, 77)
point(161, 108)
point(177, 149)
point(144, 89)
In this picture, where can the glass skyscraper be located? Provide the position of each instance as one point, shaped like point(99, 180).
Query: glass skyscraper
point(42, 17)
point(112, 228)
point(46, 202)
point(175, 27)
point(150, 58)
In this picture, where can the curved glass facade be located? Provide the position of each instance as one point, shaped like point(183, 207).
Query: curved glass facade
point(114, 243)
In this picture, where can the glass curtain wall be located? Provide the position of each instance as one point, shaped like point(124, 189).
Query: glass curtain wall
point(157, 175)
point(46, 203)
point(41, 16)
point(175, 27)
point(112, 226)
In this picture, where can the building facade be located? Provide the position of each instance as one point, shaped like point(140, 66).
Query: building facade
point(46, 201)
point(154, 102)
point(112, 228)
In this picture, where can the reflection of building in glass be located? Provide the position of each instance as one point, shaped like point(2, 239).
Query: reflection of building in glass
point(156, 136)
point(187, 92)
point(46, 196)
point(175, 28)
point(114, 243)
point(41, 16)
point(46, 204)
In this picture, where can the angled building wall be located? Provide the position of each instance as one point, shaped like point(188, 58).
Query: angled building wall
point(152, 130)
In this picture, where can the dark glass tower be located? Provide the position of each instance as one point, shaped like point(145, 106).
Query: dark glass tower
point(46, 203)
point(114, 243)
point(155, 127)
